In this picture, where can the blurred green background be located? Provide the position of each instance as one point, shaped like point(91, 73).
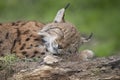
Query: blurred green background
point(102, 17)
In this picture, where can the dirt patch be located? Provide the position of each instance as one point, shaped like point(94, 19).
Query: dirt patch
point(97, 69)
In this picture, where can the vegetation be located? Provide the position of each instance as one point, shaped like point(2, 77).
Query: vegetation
point(98, 16)
point(9, 60)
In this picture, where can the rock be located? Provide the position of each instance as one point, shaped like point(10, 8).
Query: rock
point(105, 68)
point(51, 59)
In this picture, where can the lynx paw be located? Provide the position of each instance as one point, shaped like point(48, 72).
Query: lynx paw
point(86, 54)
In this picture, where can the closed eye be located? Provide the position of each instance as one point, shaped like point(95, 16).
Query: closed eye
point(60, 47)
point(43, 41)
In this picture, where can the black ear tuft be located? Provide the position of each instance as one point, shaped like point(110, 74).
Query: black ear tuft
point(90, 36)
point(60, 15)
point(67, 5)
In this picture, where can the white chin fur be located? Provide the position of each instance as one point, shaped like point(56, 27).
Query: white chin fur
point(51, 50)
point(51, 44)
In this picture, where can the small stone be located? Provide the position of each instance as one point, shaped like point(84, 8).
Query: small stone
point(50, 59)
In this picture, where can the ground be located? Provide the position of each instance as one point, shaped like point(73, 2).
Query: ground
point(105, 68)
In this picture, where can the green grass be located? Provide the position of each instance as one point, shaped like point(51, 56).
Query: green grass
point(7, 61)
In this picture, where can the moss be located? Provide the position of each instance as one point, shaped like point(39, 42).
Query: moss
point(7, 61)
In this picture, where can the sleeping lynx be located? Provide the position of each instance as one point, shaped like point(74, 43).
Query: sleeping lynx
point(61, 37)
point(34, 39)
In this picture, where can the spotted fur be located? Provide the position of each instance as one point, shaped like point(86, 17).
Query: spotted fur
point(21, 38)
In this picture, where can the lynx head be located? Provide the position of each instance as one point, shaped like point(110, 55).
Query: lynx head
point(52, 33)
point(61, 37)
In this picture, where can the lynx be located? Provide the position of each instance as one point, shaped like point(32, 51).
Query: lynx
point(35, 39)
point(61, 37)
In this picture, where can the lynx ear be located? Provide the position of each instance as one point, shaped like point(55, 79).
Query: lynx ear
point(44, 34)
point(60, 15)
point(84, 40)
